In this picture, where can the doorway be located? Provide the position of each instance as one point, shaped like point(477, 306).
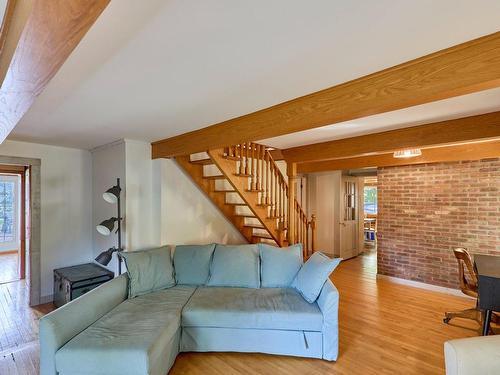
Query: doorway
point(370, 207)
point(12, 223)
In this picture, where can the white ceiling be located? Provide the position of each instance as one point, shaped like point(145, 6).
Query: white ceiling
point(153, 69)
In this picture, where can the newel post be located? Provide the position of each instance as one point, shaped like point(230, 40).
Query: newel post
point(292, 194)
point(312, 223)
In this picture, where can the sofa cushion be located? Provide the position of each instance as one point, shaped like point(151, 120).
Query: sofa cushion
point(192, 263)
point(265, 308)
point(313, 274)
point(131, 339)
point(236, 266)
point(279, 265)
point(149, 270)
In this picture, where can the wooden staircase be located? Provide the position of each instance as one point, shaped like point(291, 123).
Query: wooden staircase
point(245, 183)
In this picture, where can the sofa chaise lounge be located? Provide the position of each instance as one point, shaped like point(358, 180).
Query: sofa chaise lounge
point(244, 298)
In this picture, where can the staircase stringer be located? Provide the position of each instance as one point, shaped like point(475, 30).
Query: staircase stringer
point(240, 185)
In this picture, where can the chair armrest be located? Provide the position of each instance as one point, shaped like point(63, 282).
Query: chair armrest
point(474, 355)
point(61, 325)
point(328, 302)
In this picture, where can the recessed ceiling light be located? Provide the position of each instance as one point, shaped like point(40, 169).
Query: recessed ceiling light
point(408, 153)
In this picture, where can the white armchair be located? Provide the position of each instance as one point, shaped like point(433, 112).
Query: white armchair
point(473, 356)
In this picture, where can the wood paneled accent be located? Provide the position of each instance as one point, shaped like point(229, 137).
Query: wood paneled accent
point(461, 130)
point(53, 29)
point(462, 69)
point(469, 151)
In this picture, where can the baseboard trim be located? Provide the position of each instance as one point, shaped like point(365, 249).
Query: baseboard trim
point(418, 284)
point(46, 299)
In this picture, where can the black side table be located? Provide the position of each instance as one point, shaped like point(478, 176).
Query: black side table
point(72, 282)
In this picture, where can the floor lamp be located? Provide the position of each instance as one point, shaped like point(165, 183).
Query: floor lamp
point(112, 195)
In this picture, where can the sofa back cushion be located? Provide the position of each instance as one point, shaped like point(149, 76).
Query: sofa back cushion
point(279, 265)
point(236, 266)
point(313, 274)
point(148, 270)
point(192, 263)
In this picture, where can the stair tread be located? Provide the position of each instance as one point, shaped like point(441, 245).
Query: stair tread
point(242, 175)
point(264, 204)
point(256, 226)
point(216, 177)
point(244, 215)
point(262, 235)
point(235, 204)
point(254, 190)
point(202, 161)
point(225, 191)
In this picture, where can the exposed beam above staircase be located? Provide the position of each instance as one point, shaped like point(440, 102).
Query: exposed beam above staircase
point(462, 69)
point(469, 151)
point(461, 130)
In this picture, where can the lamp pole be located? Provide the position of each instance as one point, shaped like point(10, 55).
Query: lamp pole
point(119, 230)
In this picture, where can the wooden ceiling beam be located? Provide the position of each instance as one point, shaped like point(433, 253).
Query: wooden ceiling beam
point(463, 69)
point(16, 15)
point(52, 30)
point(460, 130)
point(470, 151)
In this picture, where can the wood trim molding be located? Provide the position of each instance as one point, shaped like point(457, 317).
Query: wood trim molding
point(52, 30)
point(460, 130)
point(470, 151)
point(426, 79)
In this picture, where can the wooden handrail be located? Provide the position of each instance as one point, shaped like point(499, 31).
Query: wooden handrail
point(256, 161)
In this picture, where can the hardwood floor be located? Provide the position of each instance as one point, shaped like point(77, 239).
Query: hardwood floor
point(385, 328)
point(19, 330)
point(9, 267)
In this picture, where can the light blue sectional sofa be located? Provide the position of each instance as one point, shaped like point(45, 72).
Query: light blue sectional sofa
point(243, 298)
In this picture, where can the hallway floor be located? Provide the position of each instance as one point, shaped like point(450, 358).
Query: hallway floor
point(9, 267)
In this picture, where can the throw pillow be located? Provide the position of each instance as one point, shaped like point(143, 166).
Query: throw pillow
point(148, 270)
point(313, 274)
point(279, 265)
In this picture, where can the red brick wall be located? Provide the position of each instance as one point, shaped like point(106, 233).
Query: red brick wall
point(426, 210)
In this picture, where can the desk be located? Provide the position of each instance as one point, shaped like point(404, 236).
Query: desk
point(488, 272)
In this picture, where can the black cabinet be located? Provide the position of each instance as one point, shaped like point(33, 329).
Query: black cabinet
point(72, 282)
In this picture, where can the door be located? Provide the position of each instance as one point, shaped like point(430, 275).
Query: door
point(349, 215)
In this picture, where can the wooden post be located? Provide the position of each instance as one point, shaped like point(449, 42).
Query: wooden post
point(313, 233)
point(292, 193)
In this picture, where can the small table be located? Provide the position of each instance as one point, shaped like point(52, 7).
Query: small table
point(488, 271)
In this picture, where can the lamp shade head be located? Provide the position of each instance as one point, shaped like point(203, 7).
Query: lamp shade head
point(105, 257)
point(106, 226)
point(111, 195)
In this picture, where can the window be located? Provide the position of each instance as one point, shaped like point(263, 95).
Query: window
point(370, 200)
point(9, 217)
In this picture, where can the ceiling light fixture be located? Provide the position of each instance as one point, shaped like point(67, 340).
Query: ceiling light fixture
point(408, 153)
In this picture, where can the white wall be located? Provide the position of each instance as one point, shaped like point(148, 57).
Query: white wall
point(66, 205)
point(142, 227)
point(187, 216)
